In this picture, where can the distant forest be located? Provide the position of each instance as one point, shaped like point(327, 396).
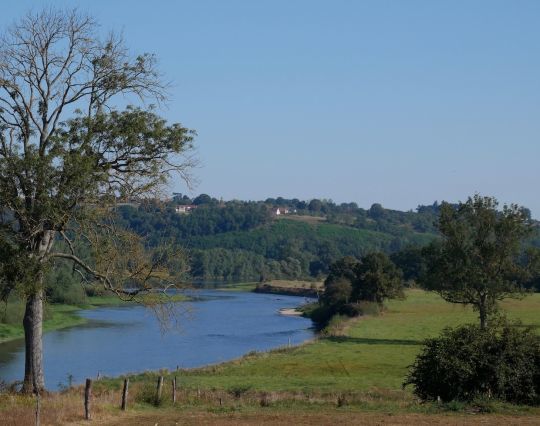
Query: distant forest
point(247, 241)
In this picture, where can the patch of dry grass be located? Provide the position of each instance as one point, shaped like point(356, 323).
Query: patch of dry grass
point(56, 408)
point(308, 418)
point(318, 285)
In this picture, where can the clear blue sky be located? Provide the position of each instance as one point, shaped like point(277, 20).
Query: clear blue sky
point(397, 102)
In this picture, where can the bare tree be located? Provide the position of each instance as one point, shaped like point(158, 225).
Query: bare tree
point(67, 154)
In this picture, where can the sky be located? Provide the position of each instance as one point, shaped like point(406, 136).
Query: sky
point(396, 102)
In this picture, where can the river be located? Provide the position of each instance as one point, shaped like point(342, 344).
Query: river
point(216, 326)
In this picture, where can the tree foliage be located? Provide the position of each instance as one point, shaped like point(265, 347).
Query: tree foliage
point(67, 155)
point(373, 278)
point(377, 279)
point(477, 262)
point(469, 362)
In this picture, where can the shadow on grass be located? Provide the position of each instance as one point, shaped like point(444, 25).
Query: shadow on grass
point(364, 341)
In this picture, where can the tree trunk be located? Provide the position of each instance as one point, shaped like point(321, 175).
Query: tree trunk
point(33, 325)
point(483, 318)
point(482, 309)
point(34, 380)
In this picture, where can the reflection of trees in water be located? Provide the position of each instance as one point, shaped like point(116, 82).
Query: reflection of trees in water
point(9, 351)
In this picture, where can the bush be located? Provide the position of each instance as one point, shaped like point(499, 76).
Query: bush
point(468, 363)
point(351, 310)
point(62, 286)
point(321, 315)
point(95, 290)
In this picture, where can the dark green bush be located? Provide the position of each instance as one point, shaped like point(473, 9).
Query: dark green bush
point(351, 310)
point(95, 290)
point(468, 363)
point(321, 315)
point(62, 286)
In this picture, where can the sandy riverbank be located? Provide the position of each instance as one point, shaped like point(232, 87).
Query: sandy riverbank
point(290, 312)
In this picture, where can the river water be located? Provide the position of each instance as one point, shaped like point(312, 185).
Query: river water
point(216, 326)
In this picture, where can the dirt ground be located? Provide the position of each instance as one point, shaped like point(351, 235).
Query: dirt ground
point(200, 418)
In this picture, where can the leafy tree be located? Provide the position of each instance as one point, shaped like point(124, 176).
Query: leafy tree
point(531, 259)
point(67, 155)
point(315, 205)
point(469, 362)
point(377, 279)
point(477, 263)
point(202, 199)
point(337, 292)
point(411, 261)
point(376, 211)
point(373, 278)
point(345, 268)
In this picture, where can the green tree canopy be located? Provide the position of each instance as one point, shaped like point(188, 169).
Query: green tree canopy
point(337, 292)
point(67, 155)
point(373, 278)
point(477, 262)
point(377, 279)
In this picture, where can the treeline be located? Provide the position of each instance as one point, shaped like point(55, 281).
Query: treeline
point(288, 249)
point(156, 221)
point(241, 240)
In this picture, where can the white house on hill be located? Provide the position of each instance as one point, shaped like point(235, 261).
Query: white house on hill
point(184, 209)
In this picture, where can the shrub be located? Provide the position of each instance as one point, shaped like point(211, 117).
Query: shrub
point(63, 287)
point(94, 290)
point(468, 363)
point(351, 310)
point(321, 315)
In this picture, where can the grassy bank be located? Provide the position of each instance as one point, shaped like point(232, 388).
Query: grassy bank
point(375, 352)
point(292, 287)
point(57, 316)
point(349, 378)
point(249, 286)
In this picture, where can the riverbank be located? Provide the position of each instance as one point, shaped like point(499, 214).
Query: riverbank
point(291, 288)
point(352, 377)
point(58, 316)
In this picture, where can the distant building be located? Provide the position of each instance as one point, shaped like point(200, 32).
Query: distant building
point(281, 210)
point(184, 209)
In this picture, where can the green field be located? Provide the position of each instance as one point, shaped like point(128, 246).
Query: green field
point(56, 316)
point(363, 368)
point(375, 352)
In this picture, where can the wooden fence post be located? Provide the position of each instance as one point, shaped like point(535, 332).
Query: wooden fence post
point(159, 390)
point(38, 410)
point(87, 399)
point(125, 394)
point(174, 390)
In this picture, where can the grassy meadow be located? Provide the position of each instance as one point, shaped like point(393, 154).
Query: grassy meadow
point(374, 352)
point(353, 375)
